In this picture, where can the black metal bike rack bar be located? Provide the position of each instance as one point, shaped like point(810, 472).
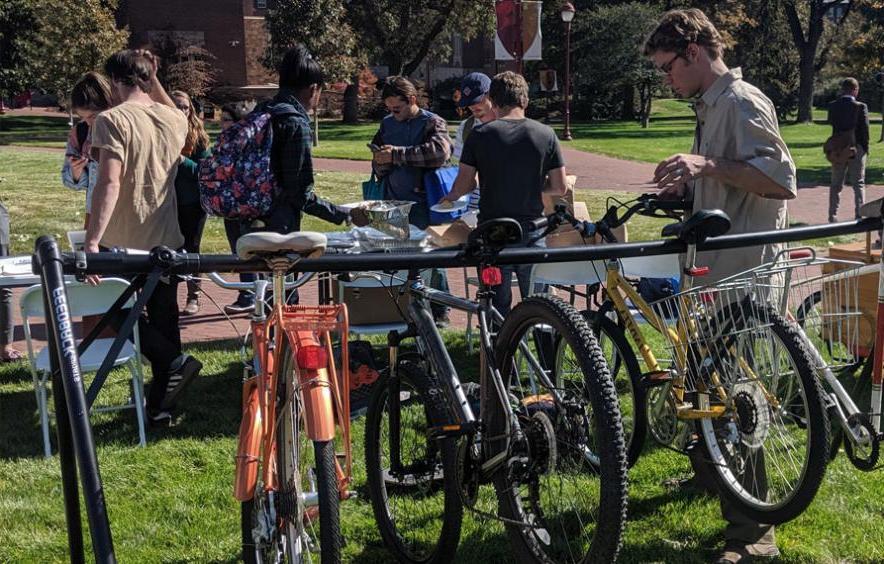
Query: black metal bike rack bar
point(73, 426)
point(76, 446)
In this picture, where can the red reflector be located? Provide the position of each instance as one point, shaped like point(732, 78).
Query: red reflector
point(697, 271)
point(312, 357)
point(800, 254)
point(491, 276)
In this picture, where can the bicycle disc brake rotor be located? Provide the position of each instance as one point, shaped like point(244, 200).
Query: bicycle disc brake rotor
point(751, 414)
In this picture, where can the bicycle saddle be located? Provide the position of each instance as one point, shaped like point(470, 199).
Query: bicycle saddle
point(699, 227)
point(495, 233)
point(305, 243)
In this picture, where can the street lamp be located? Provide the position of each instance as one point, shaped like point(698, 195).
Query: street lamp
point(567, 12)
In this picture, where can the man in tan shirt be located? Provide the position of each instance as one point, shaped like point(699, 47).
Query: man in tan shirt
point(134, 206)
point(739, 164)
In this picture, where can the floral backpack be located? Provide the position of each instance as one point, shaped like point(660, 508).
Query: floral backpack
point(237, 182)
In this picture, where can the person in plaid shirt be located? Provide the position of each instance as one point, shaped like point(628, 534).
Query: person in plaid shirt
point(411, 141)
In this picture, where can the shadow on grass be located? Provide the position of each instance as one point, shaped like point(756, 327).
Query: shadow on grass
point(210, 408)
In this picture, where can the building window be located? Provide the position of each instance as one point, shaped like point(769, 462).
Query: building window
point(260, 4)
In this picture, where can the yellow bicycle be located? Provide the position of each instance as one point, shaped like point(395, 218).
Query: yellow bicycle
point(722, 371)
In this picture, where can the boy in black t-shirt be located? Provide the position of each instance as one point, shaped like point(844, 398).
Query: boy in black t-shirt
point(517, 159)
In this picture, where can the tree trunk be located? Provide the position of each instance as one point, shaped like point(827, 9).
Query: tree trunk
point(350, 112)
point(805, 83)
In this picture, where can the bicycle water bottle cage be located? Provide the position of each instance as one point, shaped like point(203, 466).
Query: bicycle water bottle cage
point(699, 227)
point(493, 235)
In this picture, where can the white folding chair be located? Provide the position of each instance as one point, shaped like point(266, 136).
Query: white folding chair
point(373, 285)
point(84, 299)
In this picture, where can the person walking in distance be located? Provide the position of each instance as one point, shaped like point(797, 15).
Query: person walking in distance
point(849, 118)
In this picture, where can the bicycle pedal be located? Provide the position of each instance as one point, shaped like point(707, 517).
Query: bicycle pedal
point(655, 379)
point(350, 494)
point(449, 431)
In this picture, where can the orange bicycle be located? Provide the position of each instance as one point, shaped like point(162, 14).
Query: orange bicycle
point(293, 395)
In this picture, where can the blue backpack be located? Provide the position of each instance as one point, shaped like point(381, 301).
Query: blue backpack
point(237, 181)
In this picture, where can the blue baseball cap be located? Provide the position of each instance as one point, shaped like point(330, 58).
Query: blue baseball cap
point(472, 88)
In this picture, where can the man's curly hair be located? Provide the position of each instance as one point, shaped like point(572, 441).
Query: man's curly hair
point(679, 28)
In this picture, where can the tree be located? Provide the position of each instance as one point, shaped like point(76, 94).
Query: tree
point(322, 26)
point(16, 25)
point(69, 39)
point(763, 49)
point(808, 21)
point(402, 32)
point(186, 67)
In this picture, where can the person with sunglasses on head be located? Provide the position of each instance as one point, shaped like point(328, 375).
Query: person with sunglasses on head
point(740, 164)
point(191, 216)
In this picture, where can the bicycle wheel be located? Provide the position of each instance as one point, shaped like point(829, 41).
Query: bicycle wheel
point(563, 490)
point(626, 375)
point(769, 451)
point(305, 517)
point(415, 499)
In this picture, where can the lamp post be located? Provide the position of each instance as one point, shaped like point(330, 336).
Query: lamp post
point(567, 12)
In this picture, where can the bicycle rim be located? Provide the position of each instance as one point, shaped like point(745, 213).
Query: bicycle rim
point(416, 501)
point(769, 451)
point(570, 493)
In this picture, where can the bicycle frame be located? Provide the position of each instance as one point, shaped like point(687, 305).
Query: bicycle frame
point(322, 391)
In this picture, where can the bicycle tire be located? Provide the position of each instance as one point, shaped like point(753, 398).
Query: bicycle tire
point(393, 527)
point(603, 544)
point(634, 418)
point(291, 535)
point(809, 416)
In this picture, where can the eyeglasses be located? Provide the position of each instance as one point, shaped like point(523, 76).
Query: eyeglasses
point(667, 67)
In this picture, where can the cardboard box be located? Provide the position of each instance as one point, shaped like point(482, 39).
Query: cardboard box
point(373, 305)
point(566, 235)
point(549, 202)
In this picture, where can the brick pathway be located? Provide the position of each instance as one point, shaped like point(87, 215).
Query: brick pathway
point(594, 172)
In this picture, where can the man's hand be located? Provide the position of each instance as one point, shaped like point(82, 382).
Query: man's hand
point(358, 217)
point(92, 279)
point(384, 155)
point(672, 174)
point(152, 59)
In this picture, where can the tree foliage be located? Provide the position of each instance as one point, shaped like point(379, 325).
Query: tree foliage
point(322, 26)
point(16, 25)
point(69, 39)
point(400, 33)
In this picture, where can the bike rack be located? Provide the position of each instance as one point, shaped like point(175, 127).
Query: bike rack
point(75, 442)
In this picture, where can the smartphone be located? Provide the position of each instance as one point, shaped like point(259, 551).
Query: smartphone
point(374, 148)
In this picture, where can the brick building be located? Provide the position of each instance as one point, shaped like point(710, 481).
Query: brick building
point(232, 30)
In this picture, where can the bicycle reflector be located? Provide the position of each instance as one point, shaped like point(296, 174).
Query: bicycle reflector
point(491, 276)
point(312, 357)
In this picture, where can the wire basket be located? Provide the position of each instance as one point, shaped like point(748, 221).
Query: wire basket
point(718, 336)
point(833, 301)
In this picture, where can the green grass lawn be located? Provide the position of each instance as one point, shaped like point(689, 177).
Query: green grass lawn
point(172, 501)
point(671, 131)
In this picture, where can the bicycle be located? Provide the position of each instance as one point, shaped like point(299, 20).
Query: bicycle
point(430, 443)
point(738, 382)
point(293, 395)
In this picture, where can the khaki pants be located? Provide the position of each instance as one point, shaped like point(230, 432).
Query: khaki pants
point(853, 171)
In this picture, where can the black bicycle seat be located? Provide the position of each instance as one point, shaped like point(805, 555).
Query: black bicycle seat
point(496, 233)
point(699, 227)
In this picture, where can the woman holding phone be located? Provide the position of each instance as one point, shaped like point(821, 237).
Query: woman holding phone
point(90, 96)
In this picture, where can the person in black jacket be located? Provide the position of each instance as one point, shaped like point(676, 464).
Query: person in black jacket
point(300, 83)
point(849, 114)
